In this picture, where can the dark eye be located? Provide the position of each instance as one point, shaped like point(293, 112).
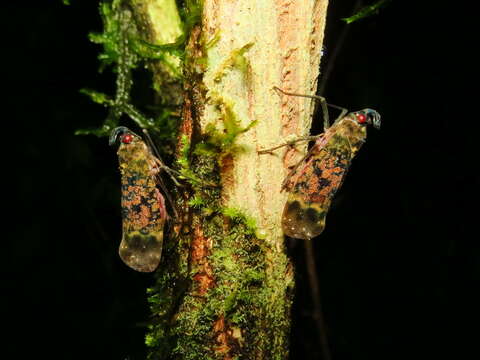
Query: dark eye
point(127, 138)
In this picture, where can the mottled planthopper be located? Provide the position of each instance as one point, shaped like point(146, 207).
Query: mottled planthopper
point(314, 181)
point(143, 206)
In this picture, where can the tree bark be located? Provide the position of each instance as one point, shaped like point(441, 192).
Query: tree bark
point(224, 287)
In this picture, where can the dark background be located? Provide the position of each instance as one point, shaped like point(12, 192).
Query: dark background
point(398, 266)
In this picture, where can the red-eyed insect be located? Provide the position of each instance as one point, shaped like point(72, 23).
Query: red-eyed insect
point(314, 181)
point(143, 206)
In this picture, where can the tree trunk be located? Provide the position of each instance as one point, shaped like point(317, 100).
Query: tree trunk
point(224, 287)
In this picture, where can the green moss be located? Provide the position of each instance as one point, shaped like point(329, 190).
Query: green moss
point(202, 177)
point(191, 14)
point(248, 293)
point(112, 33)
point(97, 97)
point(221, 143)
point(196, 202)
point(237, 260)
point(124, 48)
point(236, 60)
point(183, 160)
point(213, 41)
point(367, 11)
point(172, 282)
point(239, 217)
point(244, 293)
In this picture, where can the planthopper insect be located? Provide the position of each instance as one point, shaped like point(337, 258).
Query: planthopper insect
point(143, 206)
point(313, 182)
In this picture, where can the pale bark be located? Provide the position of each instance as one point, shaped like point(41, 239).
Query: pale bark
point(286, 38)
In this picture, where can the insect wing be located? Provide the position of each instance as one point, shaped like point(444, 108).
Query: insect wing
point(313, 187)
point(143, 207)
point(143, 221)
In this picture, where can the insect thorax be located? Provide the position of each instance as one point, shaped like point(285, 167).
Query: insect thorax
point(136, 158)
point(353, 132)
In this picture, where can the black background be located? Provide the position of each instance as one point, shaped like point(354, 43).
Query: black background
point(398, 266)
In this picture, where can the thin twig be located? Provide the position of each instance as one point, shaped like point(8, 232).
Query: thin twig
point(315, 292)
point(336, 50)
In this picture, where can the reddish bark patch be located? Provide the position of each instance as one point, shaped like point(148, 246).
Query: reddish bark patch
point(288, 39)
point(186, 127)
point(204, 282)
point(194, 96)
point(199, 251)
point(228, 339)
point(222, 334)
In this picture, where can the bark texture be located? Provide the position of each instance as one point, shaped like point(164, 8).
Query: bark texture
point(224, 287)
point(284, 40)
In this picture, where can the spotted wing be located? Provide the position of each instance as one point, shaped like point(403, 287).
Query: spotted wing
point(143, 215)
point(313, 187)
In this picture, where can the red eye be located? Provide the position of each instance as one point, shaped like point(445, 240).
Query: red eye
point(127, 138)
point(362, 119)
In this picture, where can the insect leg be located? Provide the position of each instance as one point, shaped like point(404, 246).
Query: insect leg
point(303, 138)
point(323, 104)
point(342, 113)
point(172, 173)
point(168, 170)
point(151, 144)
point(159, 160)
point(167, 195)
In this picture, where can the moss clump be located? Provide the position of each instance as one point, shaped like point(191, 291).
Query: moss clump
point(221, 143)
point(236, 60)
point(251, 304)
point(186, 170)
point(238, 261)
point(125, 49)
point(248, 294)
point(367, 11)
point(243, 293)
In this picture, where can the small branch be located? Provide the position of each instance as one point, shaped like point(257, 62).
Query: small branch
point(317, 305)
point(336, 50)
